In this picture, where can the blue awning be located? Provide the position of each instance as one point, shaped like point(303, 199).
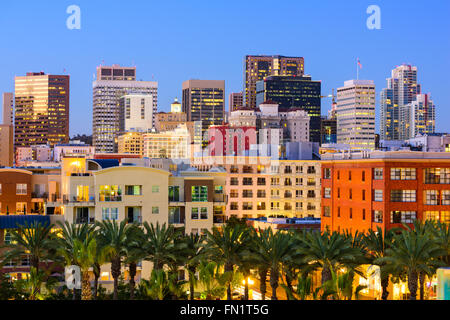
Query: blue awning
point(14, 221)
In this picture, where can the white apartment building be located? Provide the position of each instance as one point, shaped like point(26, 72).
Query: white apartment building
point(136, 112)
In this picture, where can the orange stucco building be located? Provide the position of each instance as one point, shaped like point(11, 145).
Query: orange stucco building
point(361, 191)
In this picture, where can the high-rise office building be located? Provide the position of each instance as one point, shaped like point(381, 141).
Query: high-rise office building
point(402, 89)
point(113, 83)
point(355, 114)
point(419, 117)
point(291, 92)
point(136, 112)
point(204, 100)
point(257, 67)
point(235, 101)
point(8, 108)
point(41, 114)
point(6, 145)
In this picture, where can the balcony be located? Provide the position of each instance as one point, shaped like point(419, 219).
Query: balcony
point(219, 219)
point(103, 198)
point(39, 195)
point(220, 198)
point(137, 220)
point(81, 220)
point(79, 200)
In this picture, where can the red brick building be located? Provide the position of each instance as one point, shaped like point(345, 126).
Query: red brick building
point(385, 189)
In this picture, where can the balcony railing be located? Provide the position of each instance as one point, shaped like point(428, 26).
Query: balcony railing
point(219, 219)
point(39, 195)
point(80, 220)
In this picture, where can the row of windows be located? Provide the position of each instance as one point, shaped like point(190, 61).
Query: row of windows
point(273, 206)
point(273, 181)
point(21, 188)
point(377, 215)
point(431, 175)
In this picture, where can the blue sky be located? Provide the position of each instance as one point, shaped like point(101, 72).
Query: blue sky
point(173, 41)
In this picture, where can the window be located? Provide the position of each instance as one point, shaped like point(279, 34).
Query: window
point(298, 181)
point(287, 182)
point(0, 188)
point(311, 194)
point(350, 194)
point(339, 212)
point(339, 175)
point(275, 206)
point(133, 190)
point(378, 195)
point(377, 216)
point(234, 169)
point(403, 195)
point(261, 181)
point(174, 193)
point(326, 211)
point(155, 189)
point(234, 181)
point(432, 215)
point(218, 189)
point(261, 206)
point(288, 194)
point(311, 170)
point(21, 207)
point(403, 174)
point(275, 193)
point(298, 169)
point(378, 174)
point(339, 193)
point(437, 175)
point(110, 213)
point(275, 181)
point(327, 193)
point(350, 176)
point(110, 193)
point(351, 213)
point(260, 169)
point(247, 206)
point(403, 216)
point(287, 169)
point(8, 237)
point(327, 173)
point(21, 188)
point(199, 194)
point(194, 213)
point(363, 195)
point(247, 194)
point(445, 197)
point(445, 216)
point(203, 213)
point(298, 193)
point(234, 206)
point(247, 182)
point(298, 206)
point(363, 178)
point(234, 194)
point(431, 197)
point(364, 214)
point(261, 193)
point(311, 182)
point(247, 169)
point(155, 210)
point(287, 206)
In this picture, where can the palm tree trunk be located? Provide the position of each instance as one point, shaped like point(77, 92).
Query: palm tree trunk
point(384, 287)
point(86, 291)
point(326, 274)
point(96, 271)
point(191, 283)
point(132, 283)
point(412, 284)
point(246, 288)
point(229, 268)
point(274, 282)
point(115, 272)
point(74, 294)
point(262, 282)
point(422, 285)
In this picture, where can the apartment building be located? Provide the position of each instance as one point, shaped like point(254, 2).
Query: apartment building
point(364, 191)
point(260, 187)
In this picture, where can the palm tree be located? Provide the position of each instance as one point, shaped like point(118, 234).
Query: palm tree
point(329, 252)
point(413, 253)
point(280, 246)
point(134, 253)
point(34, 240)
point(212, 281)
point(377, 243)
point(259, 241)
point(113, 237)
point(159, 243)
point(192, 253)
point(224, 246)
point(441, 234)
point(72, 236)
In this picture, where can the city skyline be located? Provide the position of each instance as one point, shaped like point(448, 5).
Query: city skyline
point(79, 52)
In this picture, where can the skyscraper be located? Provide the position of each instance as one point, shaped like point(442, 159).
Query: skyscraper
point(204, 100)
point(41, 114)
point(235, 101)
point(112, 83)
point(8, 108)
point(258, 67)
point(355, 114)
point(136, 112)
point(402, 89)
point(291, 92)
point(419, 117)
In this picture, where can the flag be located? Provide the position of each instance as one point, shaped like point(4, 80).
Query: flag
point(359, 64)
